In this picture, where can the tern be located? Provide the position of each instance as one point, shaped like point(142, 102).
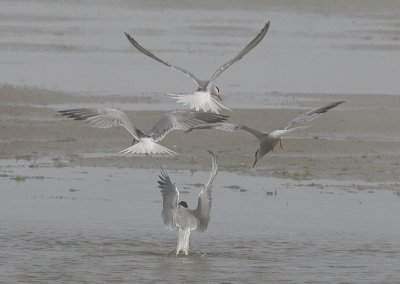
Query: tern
point(203, 98)
point(175, 213)
point(268, 140)
point(144, 142)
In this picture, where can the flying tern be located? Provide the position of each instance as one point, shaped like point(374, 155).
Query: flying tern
point(207, 91)
point(268, 140)
point(143, 142)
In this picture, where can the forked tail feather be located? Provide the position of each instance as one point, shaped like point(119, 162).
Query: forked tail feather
point(199, 101)
point(147, 148)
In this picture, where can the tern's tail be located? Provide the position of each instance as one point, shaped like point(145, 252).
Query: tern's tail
point(183, 241)
point(200, 101)
point(147, 147)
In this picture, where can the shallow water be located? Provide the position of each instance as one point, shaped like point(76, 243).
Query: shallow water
point(80, 47)
point(98, 225)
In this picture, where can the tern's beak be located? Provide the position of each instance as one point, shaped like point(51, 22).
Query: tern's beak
point(255, 162)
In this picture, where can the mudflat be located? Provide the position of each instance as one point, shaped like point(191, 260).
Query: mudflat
point(358, 140)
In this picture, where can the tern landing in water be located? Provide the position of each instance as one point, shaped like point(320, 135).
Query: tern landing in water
point(203, 98)
point(269, 140)
point(176, 214)
point(144, 142)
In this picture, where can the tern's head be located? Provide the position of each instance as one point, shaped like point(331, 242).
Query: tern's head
point(265, 147)
point(183, 204)
point(214, 91)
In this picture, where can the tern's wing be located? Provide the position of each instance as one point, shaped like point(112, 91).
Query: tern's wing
point(219, 126)
point(259, 135)
point(230, 128)
point(170, 196)
point(311, 115)
point(103, 118)
point(280, 132)
point(242, 53)
point(182, 120)
point(203, 209)
point(150, 54)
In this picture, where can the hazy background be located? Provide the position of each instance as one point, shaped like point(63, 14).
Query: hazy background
point(348, 47)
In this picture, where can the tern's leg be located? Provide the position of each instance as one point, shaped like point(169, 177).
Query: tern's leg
point(273, 145)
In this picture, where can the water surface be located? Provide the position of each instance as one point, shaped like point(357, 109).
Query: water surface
point(80, 47)
point(98, 225)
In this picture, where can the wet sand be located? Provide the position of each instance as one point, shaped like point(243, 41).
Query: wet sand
point(357, 141)
point(78, 56)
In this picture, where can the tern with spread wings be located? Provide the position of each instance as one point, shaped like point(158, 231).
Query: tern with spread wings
point(144, 142)
point(268, 140)
point(207, 91)
point(175, 213)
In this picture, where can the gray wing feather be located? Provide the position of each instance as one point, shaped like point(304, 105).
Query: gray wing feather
point(172, 66)
point(259, 135)
point(170, 196)
point(311, 115)
point(182, 120)
point(219, 126)
point(203, 209)
point(242, 53)
point(103, 118)
point(230, 128)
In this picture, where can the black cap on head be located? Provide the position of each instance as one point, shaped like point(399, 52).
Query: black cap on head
point(183, 204)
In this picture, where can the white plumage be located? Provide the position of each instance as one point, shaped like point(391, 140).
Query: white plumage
point(197, 100)
point(176, 216)
point(144, 142)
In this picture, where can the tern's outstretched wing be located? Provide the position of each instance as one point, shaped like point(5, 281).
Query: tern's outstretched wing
point(311, 115)
point(182, 120)
point(170, 196)
point(219, 126)
point(172, 66)
point(103, 118)
point(242, 53)
point(230, 128)
point(203, 209)
point(303, 119)
point(259, 135)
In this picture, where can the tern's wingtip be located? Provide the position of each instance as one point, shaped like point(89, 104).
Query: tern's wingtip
point(211, 152)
